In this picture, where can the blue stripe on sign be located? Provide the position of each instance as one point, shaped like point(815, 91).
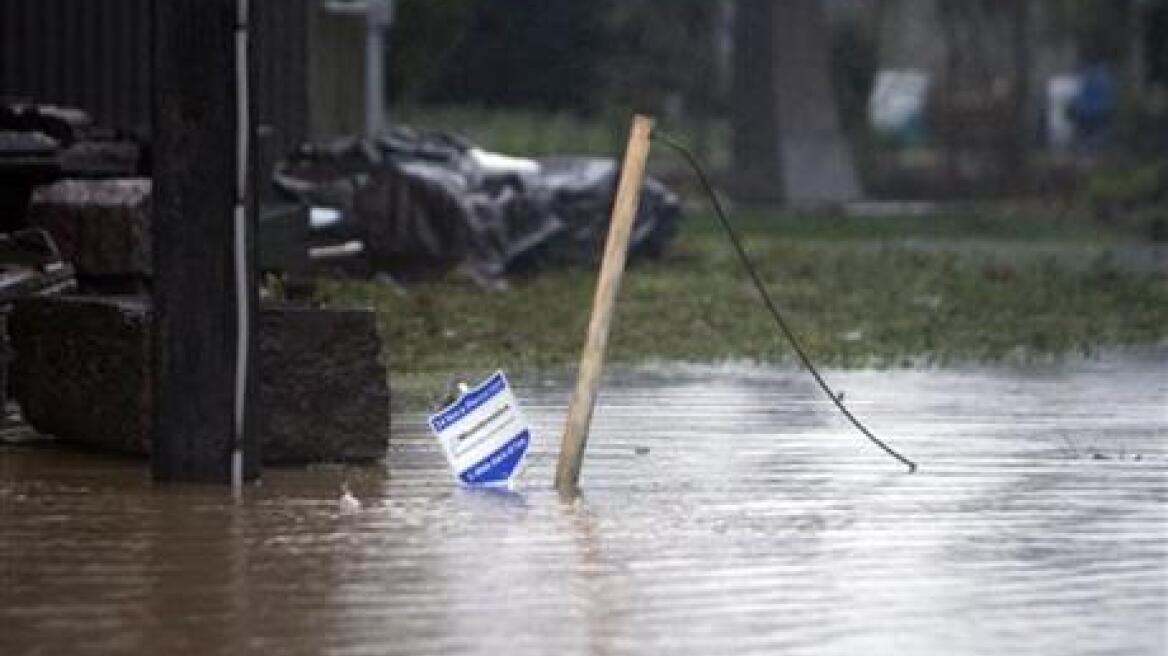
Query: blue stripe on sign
point(501, 464)
point(468, 402)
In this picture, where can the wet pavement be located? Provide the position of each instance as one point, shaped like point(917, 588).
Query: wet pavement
point(726, 509)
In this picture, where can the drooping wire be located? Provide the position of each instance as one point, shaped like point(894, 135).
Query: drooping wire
point(766, 298)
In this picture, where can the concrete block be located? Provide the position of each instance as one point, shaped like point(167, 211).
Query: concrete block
point(82, 369)
point(82, 372)
point(101, 226)
point(322, 386)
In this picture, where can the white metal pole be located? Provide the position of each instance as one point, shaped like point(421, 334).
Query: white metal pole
point(242, 296)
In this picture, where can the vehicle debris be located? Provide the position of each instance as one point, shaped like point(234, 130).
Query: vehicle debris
point(426, 203)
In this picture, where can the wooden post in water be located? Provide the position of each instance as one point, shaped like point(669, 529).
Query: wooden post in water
point(624, 210)
point(202, 243)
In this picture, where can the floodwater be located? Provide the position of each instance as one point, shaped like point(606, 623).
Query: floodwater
point(726, 509)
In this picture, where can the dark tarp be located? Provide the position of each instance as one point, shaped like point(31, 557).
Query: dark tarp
point(424, 203)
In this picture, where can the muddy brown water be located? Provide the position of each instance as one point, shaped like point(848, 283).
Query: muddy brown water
point(726, 509)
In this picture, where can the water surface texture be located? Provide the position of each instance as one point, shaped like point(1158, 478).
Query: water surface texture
point(726, 509)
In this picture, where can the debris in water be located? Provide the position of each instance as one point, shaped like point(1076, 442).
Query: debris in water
point(348, 504)
point(483, 433)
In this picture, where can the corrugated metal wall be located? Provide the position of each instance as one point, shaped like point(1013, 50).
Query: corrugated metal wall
point(280, 74)
point(94, 54)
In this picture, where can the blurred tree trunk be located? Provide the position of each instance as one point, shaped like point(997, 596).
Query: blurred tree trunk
point(755, 145)
point(788, 145)
point(945, 128)
point(1017, 149)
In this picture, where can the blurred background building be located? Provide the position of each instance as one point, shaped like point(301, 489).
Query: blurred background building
point(801, 101)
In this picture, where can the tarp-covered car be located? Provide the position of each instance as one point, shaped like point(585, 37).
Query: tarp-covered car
point(424, 203)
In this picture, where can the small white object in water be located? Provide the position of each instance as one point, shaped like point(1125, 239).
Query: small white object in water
point(349, 504)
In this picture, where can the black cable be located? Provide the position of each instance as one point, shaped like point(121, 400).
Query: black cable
point(669, 141)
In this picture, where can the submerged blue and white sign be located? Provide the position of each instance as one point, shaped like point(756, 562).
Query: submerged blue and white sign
point(483, 433)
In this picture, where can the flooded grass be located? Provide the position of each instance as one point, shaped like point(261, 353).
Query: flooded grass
point(907, 291)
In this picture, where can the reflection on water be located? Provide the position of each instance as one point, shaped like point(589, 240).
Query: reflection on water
point(726, 509)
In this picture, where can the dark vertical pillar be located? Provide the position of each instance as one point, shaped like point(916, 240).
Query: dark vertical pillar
point(195, 304)
point(1016, 148)
point(755, 143)
point(336, 73)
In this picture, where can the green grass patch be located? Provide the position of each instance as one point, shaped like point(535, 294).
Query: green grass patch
point(971, 223)
point(856, 291)
point(518, 132)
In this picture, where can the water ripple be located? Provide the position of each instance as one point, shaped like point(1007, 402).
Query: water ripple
point(726, 509)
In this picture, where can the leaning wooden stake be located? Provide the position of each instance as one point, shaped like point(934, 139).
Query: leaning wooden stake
point(612, 267)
